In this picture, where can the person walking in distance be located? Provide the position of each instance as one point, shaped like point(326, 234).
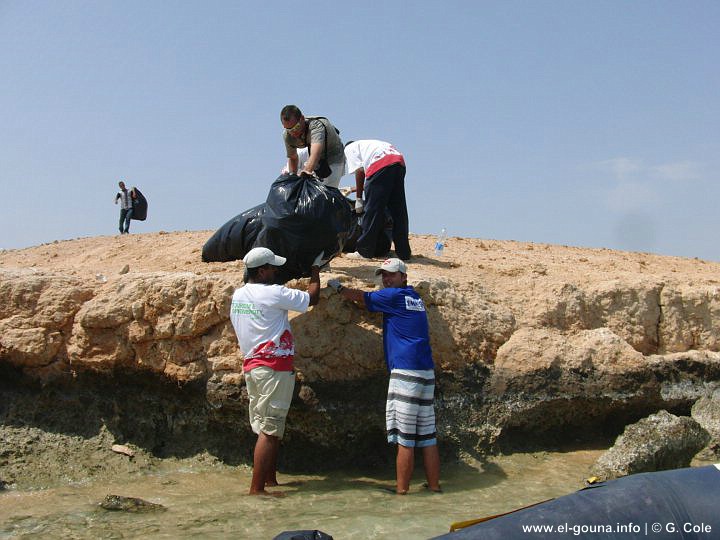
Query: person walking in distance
point(126, 198)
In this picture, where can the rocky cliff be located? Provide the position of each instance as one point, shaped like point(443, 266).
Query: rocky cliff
point(533, 344)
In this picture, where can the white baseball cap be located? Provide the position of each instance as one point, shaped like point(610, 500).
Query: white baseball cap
point(260, 256)
point(392, 265)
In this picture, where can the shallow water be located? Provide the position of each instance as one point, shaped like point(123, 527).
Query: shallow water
point(211, 502)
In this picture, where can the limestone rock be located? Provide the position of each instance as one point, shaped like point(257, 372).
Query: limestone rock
point(706, 412)
point(527, 339)
point(545, 379)
point(690, 318)
point(156, 322)
point(468, 324)
point(547, 363)
point(36, 311)
point(630, 308)
point(129, 504)
point(122, 449)
point(660, 442)
point(40, 299)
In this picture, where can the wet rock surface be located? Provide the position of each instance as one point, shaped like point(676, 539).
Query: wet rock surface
point(706, 412)
point(659, 442)
point(119, 503)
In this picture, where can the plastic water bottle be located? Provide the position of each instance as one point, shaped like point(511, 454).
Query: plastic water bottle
point(440, 243)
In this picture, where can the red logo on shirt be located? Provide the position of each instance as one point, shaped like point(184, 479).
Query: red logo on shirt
point(287, 344)
point(269, 350)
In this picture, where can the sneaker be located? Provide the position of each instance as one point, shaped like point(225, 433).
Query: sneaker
point(356, 255)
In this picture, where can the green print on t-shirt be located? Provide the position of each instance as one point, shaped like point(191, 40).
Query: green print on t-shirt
point(242, 308)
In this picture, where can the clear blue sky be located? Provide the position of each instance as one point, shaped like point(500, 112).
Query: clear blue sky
point(577, 122)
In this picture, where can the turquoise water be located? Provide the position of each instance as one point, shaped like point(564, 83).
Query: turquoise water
point(211, 502)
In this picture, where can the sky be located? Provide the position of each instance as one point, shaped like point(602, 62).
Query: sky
point(582, 123)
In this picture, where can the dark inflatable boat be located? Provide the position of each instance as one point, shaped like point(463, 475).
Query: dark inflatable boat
point(682, 503)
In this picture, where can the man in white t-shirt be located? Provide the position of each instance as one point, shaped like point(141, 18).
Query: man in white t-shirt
point(259, 315)
point(380, 173)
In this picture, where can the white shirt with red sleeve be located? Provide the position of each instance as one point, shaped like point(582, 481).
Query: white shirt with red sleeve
point(371, 155)
point(259, 315)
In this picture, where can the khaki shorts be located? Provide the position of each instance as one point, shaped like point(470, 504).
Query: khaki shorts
point(270, 395)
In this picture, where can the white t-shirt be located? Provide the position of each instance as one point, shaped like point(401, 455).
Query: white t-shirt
point(125, 198)
point(302, 158)
point(259, 315)
point(371, 155)
point(333, 180)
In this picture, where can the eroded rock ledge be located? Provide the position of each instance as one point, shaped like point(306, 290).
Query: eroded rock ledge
point(530, 342)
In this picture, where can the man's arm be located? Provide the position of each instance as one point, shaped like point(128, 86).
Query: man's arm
point(356, 295)
point(316, 149)
point(314, 287)
point(359, 182)
point(293, 164)
point(359, 186)
point(292, 155)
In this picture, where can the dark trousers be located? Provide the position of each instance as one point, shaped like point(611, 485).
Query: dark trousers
point(125, 217)
point(385, 189)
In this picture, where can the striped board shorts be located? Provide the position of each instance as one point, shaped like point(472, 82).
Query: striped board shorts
point(410, 410)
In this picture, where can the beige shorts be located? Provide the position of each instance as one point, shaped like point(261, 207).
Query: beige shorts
point(270, 395)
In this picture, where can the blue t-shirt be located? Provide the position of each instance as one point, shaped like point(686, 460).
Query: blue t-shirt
point(406, 339)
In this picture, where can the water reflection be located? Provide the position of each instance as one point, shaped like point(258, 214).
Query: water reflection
point(211, 501)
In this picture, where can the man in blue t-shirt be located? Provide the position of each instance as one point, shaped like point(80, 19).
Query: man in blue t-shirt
point(410, 411)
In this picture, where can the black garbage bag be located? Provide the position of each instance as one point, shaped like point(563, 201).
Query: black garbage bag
point(303, 217)
point(383, 242)
point(234, 239)
point(356, 229)
point(140, 206)
point(300, 218)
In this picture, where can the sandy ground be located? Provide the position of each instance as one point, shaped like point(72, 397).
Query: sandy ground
point(497, 264)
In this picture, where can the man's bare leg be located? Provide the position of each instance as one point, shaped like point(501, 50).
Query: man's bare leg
point(404, 464)
point(431, 463)
point(262, 462)
point(271, 476)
